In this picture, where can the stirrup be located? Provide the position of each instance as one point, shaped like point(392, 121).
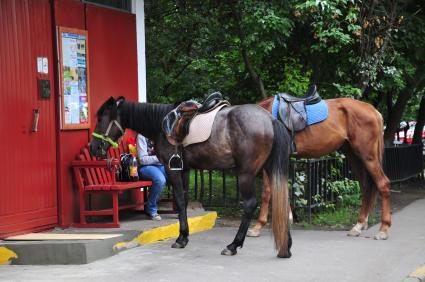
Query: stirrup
point(175, 162)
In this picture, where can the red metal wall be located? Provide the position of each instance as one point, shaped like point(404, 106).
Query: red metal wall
point(37, 188)
point(28, 190)
point(68, 13)
point(113, 55)
point(113, 72)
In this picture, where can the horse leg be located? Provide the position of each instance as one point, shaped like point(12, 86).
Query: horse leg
point(264, 208)
point(185, 179)
point(246, 186)
point(383, 185)
point(368, 191)
point(179, 197)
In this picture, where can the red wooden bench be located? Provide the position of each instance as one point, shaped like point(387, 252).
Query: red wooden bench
point(98, 177)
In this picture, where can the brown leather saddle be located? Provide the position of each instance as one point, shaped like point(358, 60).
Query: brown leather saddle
point(176, 123)
point(292, 110)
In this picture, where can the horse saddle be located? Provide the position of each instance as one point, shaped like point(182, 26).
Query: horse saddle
point(191, 122)
point(292, 110)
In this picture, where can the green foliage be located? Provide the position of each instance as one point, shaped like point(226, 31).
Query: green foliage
point(298, 189)
point(295, 80)
point(333, 23)
point(346, 191)
point(195, 47)
point(348, 90)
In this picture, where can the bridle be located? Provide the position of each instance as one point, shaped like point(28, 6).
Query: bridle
point(105, 137)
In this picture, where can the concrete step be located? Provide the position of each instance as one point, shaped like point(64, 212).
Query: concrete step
point(134, 232)
point(65, 251)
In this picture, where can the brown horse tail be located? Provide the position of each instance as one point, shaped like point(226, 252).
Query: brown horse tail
point(277, 167)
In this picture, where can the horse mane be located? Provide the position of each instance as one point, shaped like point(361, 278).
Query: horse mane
point(145, 118)
point(105, 105)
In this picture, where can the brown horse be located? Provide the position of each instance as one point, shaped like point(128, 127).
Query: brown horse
point(357, 128)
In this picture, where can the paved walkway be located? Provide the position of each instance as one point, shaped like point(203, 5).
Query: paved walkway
point(317, 256)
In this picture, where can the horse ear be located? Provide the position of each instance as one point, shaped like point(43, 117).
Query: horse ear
point(110, 102)
point(120, 100)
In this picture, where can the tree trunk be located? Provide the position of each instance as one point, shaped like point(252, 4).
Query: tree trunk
point(256, 79)
point(394, 116)
point(420, 121)
point(258, 82)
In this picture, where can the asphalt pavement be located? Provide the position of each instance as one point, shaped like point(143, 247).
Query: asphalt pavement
point(317, 256)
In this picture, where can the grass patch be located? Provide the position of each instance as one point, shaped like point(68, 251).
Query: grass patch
point(341, 218)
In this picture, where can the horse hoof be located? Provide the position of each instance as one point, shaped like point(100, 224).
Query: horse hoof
point(287, 255)
point(355, 231)
point(252, 232)
point(381, 236)
point(177, 245)
point(227, 252)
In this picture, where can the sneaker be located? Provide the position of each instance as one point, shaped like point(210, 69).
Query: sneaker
point(156, 217)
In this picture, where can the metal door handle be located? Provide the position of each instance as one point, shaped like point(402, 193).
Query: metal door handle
point(36, 114)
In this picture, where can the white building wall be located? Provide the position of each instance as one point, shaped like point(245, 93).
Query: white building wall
point(138, 9)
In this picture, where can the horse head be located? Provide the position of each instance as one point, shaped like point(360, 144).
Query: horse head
point(176, 122)
point(108, 127)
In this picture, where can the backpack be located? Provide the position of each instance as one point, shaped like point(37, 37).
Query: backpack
point(124, 171)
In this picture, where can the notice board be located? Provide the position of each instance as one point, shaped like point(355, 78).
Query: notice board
point(74, 80)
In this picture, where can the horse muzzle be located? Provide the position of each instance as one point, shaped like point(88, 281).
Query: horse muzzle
point(98, 149)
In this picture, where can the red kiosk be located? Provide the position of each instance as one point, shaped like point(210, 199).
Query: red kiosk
point(40, 136)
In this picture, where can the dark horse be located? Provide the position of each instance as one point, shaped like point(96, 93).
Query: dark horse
point(244, 138)
point(357, 128)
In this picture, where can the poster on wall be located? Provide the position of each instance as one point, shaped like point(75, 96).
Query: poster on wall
point(73, 57)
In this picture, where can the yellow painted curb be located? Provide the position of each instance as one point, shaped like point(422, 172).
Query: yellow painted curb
point(418, 273)
point(196, 224)
point(6, 255)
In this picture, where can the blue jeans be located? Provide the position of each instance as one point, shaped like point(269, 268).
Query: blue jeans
point(157, 174)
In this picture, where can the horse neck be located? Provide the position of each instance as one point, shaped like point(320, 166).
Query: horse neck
point(144, 118)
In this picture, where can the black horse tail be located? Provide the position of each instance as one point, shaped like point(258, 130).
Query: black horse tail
point(277, 167)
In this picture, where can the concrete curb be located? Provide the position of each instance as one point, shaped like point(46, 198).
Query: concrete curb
point(196, 224)
point(416, 276)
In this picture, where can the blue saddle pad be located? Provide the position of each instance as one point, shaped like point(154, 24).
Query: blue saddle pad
point(315, 113)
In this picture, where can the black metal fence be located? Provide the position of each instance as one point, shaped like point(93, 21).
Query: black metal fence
point(220, 189)
point(309, 179)
point(403, 162)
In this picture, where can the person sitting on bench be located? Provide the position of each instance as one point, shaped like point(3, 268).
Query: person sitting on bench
point(150, 168)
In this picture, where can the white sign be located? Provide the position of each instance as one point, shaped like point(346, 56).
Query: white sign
point(42, 65)
point(39, 64)
point(45, 65)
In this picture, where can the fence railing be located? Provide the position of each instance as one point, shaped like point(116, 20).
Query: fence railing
point(312, 177)
point(403, 162)
point(219, 189)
